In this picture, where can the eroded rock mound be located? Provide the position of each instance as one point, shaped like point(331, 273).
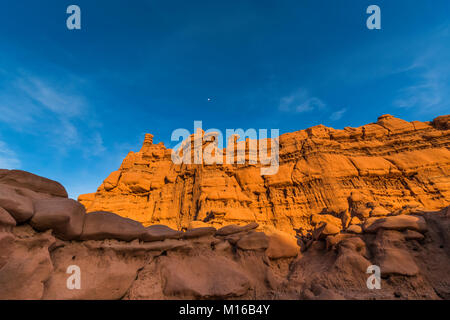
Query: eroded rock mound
point(23, 179)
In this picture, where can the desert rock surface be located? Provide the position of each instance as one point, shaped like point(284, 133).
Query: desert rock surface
point(390, 166)
point(342, 200)
point(43, 234)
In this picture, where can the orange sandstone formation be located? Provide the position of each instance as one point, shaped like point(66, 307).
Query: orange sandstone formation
point(345, 175)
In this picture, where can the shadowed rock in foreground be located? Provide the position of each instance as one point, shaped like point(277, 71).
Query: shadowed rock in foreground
point(42, 234)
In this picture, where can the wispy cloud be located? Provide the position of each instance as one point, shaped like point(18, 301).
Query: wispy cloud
point(94, 146)
point(57, 100)
point(8, 158)
point(429, 92)
point(300, 101)
point(55, 111)
point(337, 115)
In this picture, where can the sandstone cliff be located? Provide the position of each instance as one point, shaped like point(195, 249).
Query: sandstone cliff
point(388, 166)
point(43, 235)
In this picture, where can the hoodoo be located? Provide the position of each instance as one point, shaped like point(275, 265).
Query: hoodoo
point(345, 175)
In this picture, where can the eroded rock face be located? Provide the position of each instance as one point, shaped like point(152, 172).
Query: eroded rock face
point(118, 258)
point(203, 277)
point(370, 171)
point(398, 223)
point(199, 232)
point(344, 220)
point(282, 245)
point(25, 265)
point(253, 241)
point(392, 255)
point(160, 232)
point(104, 274)
point(107, 225)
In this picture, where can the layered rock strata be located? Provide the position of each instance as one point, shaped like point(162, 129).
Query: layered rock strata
point(388, 166)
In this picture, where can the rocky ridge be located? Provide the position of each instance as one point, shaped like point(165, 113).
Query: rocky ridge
point(43, 233)
point(391, 166)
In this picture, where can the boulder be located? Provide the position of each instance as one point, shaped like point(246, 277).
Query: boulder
point(20, 207)
point(112, 181)
point(330, 229)
point(379, 212)
point(160, 232)
point(325, 229)
point(5, 219)
point(253, 241)
point(354, 229)
point(398, 223)
point(106, 225)
point(362, 212)
point(345, 218)
point(233, 228)
point(64, 216)
point(318, 219)
point(355, 220)
point(19, 178)
point(199, 232)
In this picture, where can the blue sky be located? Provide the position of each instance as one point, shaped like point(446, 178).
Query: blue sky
point(73, 103)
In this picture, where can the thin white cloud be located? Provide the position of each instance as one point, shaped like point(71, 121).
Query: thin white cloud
point(430, 94)
point(337, 115)
point(59, 101)
point(95, 145)
point(430, 91)
point(310, 105)
point(300, 102)
point(16, 116)
point(54, 111)
point(8, 158)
